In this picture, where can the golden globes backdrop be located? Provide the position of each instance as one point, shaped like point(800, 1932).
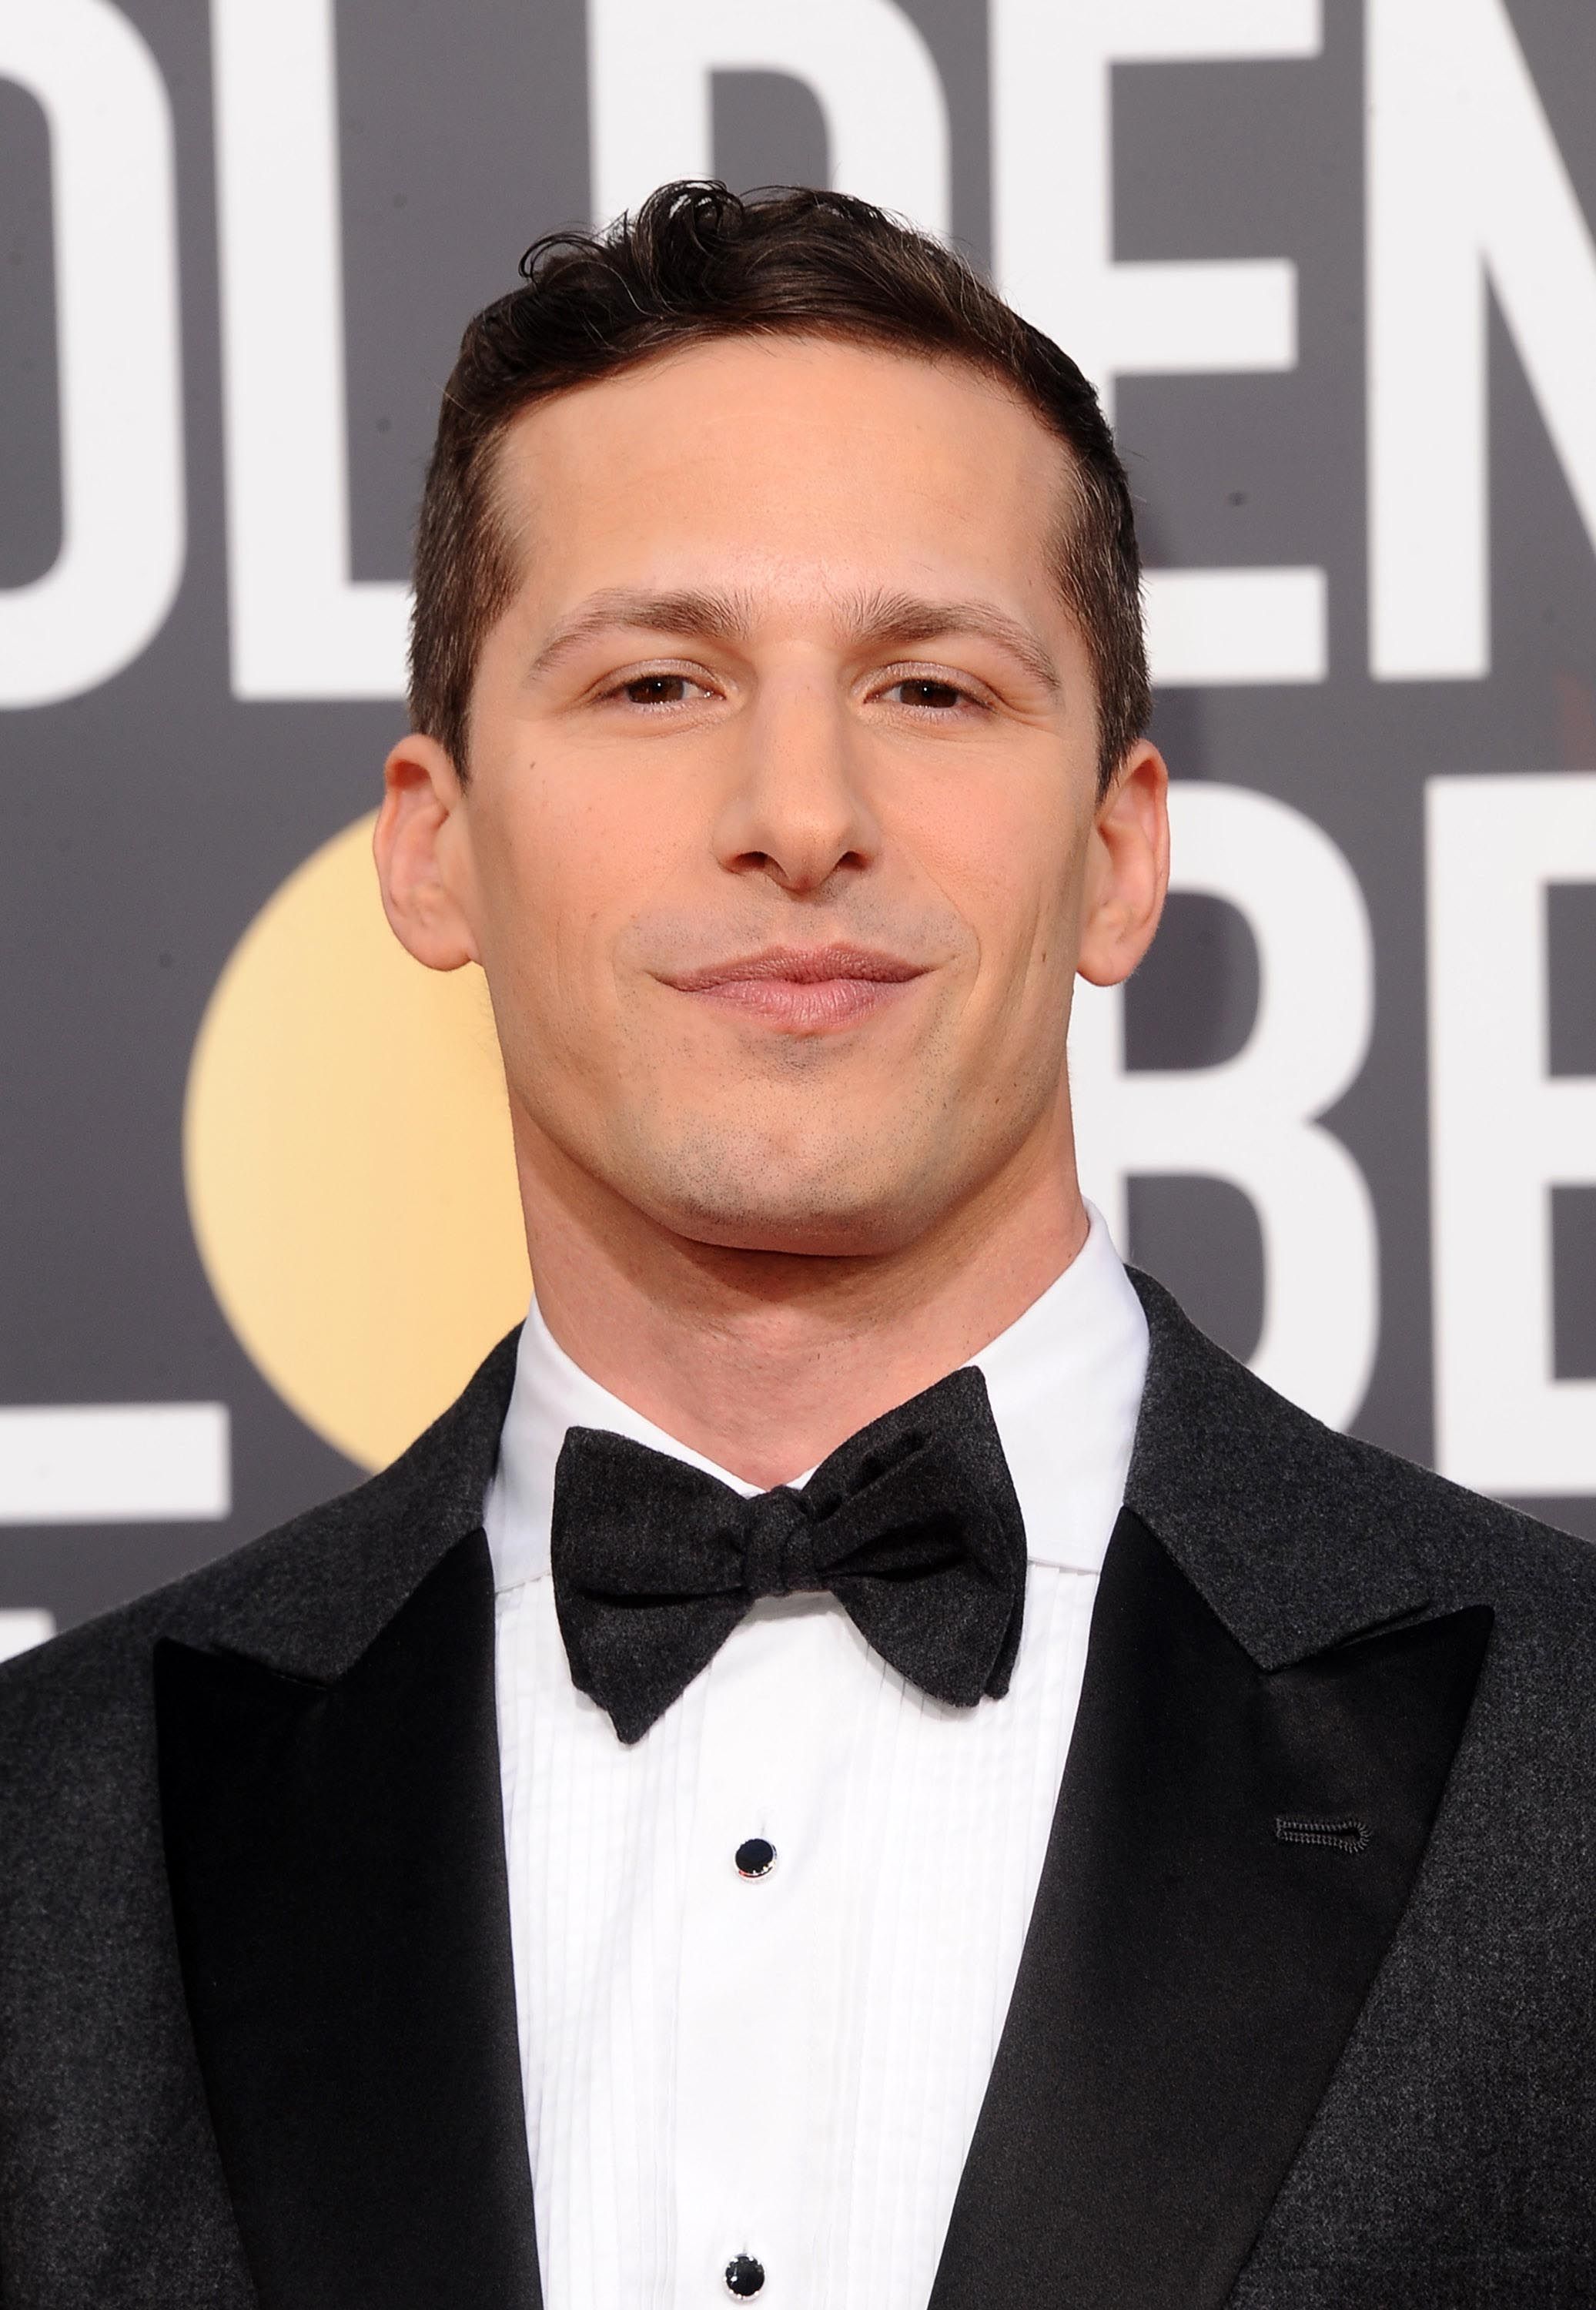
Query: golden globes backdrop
point(1334, 267)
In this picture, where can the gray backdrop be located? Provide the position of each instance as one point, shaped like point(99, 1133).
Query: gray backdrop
point(149, 816)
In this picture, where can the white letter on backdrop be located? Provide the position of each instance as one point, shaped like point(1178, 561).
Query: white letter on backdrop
point(301, 627)
point(1052, 229)
point(116, 251)
point(1502, 1131)
point(1250, 1118)
point(650, 68)
point(1465, 182)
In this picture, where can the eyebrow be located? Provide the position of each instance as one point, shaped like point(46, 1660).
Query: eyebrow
point(875, 621)
point(724, 617)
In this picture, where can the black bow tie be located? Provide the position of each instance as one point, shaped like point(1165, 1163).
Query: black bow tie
point(912, 1525)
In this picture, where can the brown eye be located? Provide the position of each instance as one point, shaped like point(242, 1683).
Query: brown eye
point(657, 690)
point(940, 696)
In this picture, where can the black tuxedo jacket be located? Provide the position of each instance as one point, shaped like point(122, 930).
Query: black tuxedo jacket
point(1305, 2015)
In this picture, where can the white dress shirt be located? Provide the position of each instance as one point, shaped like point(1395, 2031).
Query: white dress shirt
point(787, 2067)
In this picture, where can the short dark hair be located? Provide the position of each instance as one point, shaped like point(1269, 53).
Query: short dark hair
point(696, 263)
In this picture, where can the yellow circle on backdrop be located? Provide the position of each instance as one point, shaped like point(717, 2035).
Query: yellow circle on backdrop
point(346, 1149)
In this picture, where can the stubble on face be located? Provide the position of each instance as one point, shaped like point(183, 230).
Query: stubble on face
point(777, 1148)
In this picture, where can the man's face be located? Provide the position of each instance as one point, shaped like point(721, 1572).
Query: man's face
point(780, 844)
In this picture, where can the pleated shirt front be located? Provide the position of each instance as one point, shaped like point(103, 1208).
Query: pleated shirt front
point(786, 2067)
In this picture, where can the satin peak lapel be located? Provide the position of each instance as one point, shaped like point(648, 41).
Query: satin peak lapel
point(337, 1861)
point(1232, 1851)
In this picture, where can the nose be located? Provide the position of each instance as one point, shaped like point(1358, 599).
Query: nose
point(796, 810)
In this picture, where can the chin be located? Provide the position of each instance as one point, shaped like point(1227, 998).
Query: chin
point(836, 1202)
point(856, 1234)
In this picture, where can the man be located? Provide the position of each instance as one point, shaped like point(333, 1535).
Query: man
point(863, 1762)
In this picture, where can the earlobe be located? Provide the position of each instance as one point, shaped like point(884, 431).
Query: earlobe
point(1127, 869)
point(422, 860)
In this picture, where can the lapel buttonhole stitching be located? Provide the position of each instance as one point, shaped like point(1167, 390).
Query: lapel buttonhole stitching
point(1341, 1834)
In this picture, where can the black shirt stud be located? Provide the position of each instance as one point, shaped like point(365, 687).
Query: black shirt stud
point(754, 1857)
point(744, 2277)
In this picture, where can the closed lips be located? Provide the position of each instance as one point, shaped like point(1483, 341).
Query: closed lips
point(804, 988)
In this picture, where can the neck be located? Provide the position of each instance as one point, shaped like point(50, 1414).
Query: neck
point(766, 1361)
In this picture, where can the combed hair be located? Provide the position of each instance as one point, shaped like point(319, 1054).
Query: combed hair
point(696, 263)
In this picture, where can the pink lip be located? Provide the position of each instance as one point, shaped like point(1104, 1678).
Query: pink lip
point(804, 988)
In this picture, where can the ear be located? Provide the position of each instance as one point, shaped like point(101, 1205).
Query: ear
point(1127, 871)
point(424, 855)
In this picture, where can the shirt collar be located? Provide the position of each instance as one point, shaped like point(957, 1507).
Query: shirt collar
point(1065, 1382)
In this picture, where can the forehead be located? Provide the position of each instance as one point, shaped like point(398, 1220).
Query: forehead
point(763, 461)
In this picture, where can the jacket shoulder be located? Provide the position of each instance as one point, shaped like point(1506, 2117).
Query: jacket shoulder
point(1301, 1534)
point(306, 1596)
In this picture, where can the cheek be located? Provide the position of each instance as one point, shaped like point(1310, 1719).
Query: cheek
point(534, 903)
point(1013, 868)
point(565, 877)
